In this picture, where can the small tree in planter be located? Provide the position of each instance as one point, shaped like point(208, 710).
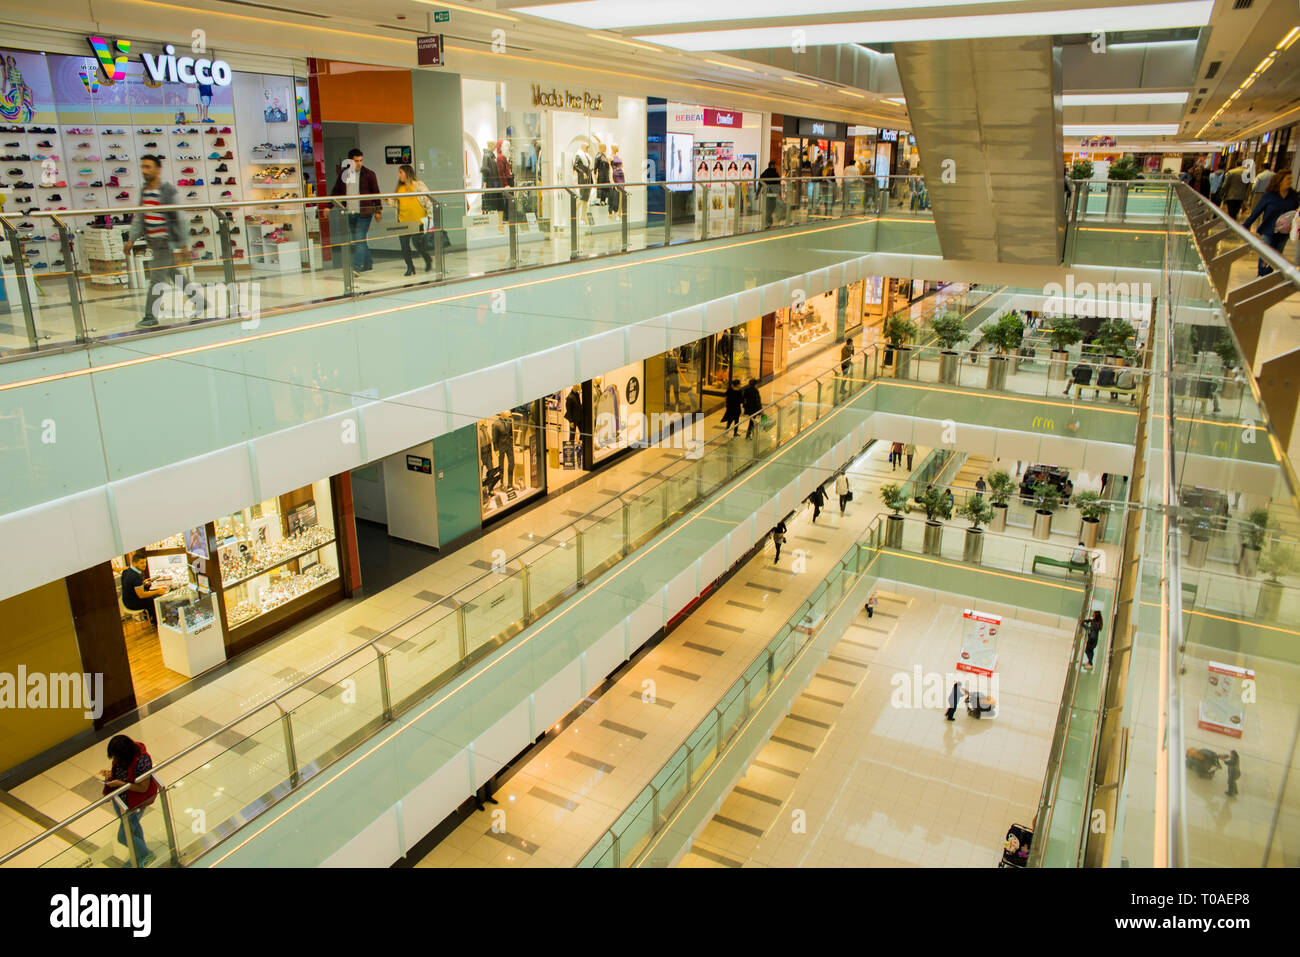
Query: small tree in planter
point(1226, 350)
point(898, 332)
point(1005, 335)
point(1066, 331)
point(1253, 534)
point(1091, 511)
point(938, 508)
point(1001, 487)
point(949, 332)
point(895, 499)
point(1113, 336)
point(1277, 562)
point(1126, 169)
point(1081, 169)
point(1046, 499)
point(978, 511)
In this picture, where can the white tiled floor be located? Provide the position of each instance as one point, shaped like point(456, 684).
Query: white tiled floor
point(890, 782)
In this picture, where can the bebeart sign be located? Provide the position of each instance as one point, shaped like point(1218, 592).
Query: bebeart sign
point(583, 102)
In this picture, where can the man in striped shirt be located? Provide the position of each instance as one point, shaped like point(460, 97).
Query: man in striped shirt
point(161, 230)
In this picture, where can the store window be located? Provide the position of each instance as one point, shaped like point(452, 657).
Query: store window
point(674, 380)
point(808, 327)
point(618, 407)
point(734, 353)
point(853, 311)
point(512, 469)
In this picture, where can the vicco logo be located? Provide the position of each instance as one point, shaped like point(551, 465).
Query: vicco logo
point(112, 61)
point(159, 69)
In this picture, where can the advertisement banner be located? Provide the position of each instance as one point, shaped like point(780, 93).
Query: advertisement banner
point(979, 642)
point(1223, 705)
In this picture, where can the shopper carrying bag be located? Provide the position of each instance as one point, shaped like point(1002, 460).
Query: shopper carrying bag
point(416, 209)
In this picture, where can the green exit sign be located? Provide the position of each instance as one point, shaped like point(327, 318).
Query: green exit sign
point(441, 16)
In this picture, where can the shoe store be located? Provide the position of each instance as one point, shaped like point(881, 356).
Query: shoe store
point(75, 121)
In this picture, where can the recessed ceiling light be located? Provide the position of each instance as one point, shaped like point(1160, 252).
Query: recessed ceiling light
point(1289, 39)
point(1121, 99)
point(1189, 13)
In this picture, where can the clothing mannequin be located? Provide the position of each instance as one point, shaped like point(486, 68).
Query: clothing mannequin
point(573, 412)
point(582, 171)
point(602, 174)
point(491, 202)
point(503, 443)
point(616, 173)
point(506, 175)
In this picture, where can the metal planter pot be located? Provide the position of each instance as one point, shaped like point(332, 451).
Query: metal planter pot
point(1198, 550)
point(1248, 563)
point(902, 363)
point(1089, 531)
point(933, 542)
point(974, 547)
point(1042, 524)
point(948, 367)
point(998, 523)
point(1269, 605)
point(1056, 367)
point(997, 373)
point(894, 531)
point(1116, 199)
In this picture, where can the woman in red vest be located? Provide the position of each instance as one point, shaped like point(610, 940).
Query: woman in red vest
point(131, 762)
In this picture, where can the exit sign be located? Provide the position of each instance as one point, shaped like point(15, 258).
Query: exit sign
point(441, 16)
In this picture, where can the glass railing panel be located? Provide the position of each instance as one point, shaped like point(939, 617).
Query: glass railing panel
point(634, 827)
point(731, 709)
point(602, 538)
point(493, 608)
point(552, 570)
point(327, 724)
point(432, 648)
point(670, 785)
point(702, 746)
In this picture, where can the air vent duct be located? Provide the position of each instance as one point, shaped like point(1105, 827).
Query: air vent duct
point(1213, 69)
point(1242, 4)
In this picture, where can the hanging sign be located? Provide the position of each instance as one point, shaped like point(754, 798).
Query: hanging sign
point(428, 50)
point(1223, 704)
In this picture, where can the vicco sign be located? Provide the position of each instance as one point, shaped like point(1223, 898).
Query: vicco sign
point(166, 67)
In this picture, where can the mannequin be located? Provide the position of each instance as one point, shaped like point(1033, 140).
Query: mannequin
point(503, 443)
point(616, 173)
point(491, 202)
point(491, 476)
point(573, 412)
point(582, 171)
point(602, 174)
point(506, 175)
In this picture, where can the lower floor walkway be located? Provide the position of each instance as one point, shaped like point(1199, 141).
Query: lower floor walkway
point(866, 772)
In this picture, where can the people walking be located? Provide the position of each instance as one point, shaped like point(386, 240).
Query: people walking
point(909, 450)
point(769, 184)
point(1277, 199)
point(1093, 625)
point(954, 698)
point(818, 499)
point(895, 455)
point(778, 539)
point(416, 209)
point(731, 407)
point(752, 404)
point(1263, 177)
point(1233, 763)
point(161, 231)
point(842, 490)
point(1234, 190)
point(872, 601)
point(980, 486)
point(354, 180)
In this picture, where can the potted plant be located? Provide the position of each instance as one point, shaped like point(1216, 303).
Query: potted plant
point(949, 333)
point(1226, 350)
point(898, 331)
point(938, 507)
point(1001, 487)
point(1119, 174)
point(1253, 533)
point(1113, 336)
point(895, 500)
point(1004, 334)
point(977, 509)
point(1279, 560)
point(1064, 333)
point(1091, 511)
point(1081, 169)
point(1046, 498)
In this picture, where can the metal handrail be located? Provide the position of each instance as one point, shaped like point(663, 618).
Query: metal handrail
point(370, 643)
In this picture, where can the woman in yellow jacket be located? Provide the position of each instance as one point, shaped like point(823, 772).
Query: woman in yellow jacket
point(413, 210)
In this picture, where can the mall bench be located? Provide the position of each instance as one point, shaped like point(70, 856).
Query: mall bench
point(1078, 387)
point(1057, 563)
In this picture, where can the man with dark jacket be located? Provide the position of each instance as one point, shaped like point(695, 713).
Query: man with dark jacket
point(1234, 190)
point(731, 407)
point(162, 232)
point(752, 403)
point(817, 499)
point(355, 179)
point(769, 183)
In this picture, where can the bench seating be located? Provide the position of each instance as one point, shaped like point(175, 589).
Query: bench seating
point(1057, 563)
point(1077, 387)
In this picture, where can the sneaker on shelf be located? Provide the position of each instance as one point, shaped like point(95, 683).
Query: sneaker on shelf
point(227, 193)
point(123, 195)
point(85, 172)
point(182, 145)
point(190, 195)
point(16, 172)
point(222, 168)
point(197, 245)
point(198, 182)
point(229, 155)
point(188, 169)
point(55, 197)
point(219, 141)
point(210, 132)
point(214, 156)
point(121, 171)
point(206, 256)
point(150, 145)
point(80, 146)
point(95, 183)
point(225, 129)
point(112, 181)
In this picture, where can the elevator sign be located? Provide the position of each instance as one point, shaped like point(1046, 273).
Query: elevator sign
point(428, 50)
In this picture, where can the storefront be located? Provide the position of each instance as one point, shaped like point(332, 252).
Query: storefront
point(803, 329)
point(734, 353)
point(674, 380)
point(79, 125)
point(232, 583)
point(590, 422)
point(547, 133)
point(716, 149)
point(512, 469)
point(816, 140)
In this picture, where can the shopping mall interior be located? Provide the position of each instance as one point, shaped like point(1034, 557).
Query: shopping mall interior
point(618, 435)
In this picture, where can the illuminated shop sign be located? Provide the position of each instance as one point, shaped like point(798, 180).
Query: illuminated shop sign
point(166, 67)
point(583, 102)
point(727, 118)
